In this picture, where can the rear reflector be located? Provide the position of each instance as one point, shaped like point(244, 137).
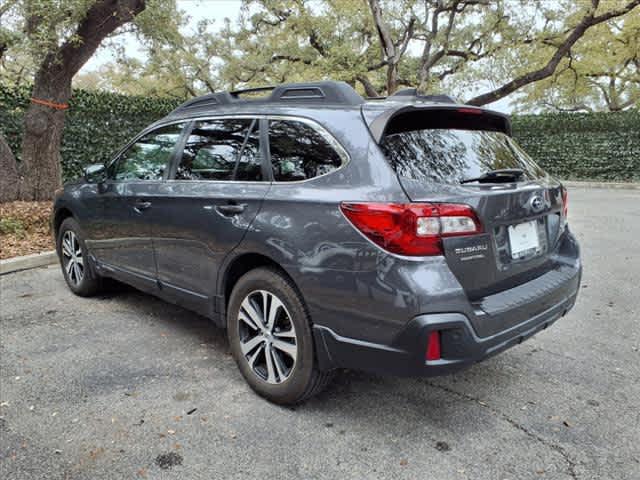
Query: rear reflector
point(565, 202)
point(413, 229)
point(433, 346)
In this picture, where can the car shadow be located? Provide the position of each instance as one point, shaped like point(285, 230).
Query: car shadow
point(374, 396)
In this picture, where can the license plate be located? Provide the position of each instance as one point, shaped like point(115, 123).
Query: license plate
point(523, 238)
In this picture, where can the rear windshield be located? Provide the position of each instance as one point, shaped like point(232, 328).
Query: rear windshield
point(451, 155)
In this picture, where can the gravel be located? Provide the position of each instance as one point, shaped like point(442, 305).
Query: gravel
point(126, 386)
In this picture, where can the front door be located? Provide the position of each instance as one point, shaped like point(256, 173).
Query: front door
point(214, 194)
point(123, 244)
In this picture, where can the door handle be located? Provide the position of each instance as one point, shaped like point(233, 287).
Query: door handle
point(140, 205)
point(231, 209)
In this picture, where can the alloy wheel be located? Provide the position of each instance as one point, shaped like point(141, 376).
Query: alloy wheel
point(72, 260)
point(267, 336)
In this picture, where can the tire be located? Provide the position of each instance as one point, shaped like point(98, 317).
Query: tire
point(80, 276)
point(292, 376)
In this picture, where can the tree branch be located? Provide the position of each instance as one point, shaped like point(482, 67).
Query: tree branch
point(369, 89)
point(588, 21)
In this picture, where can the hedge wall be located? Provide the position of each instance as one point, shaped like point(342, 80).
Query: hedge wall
point(97, 124)
point(599, 146)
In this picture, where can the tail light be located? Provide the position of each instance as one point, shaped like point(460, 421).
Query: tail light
point(414, 229)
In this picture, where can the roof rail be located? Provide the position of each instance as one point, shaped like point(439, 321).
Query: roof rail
point(323, 92)
point(414, 93)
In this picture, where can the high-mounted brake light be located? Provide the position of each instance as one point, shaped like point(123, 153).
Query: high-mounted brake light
point(472, 111)
point(414, 229)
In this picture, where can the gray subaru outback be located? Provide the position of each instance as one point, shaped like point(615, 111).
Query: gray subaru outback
point(407, 235)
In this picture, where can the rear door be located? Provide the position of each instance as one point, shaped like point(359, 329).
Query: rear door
point(204, 210)
point(438, 154)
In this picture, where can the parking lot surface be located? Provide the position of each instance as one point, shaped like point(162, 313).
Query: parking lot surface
point(126, 386)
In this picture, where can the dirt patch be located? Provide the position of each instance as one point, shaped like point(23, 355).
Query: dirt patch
point(24, 228)
point(168, 460)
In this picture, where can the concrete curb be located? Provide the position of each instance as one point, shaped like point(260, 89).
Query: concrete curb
point(616, 185)
point(28, 261)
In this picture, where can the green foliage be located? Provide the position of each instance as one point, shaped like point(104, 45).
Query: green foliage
point(594, 146)
point(589, 146)
point(10, 225)
point(98, 124)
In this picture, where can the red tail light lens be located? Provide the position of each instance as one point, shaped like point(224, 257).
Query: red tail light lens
point(433, 346)
point(414, 229)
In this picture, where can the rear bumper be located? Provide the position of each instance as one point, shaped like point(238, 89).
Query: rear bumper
point(460, 344)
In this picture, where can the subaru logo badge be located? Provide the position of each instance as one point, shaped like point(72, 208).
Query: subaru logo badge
point(536, 203)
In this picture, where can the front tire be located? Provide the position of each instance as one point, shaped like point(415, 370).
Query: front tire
point(74, 260)
point(270, 337)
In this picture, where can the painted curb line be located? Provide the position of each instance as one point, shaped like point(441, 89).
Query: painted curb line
point(28, 261)
point(615, 185)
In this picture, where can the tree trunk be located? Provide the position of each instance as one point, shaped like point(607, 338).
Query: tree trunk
point(392, 78)
point(40, 168)
point(8, 173)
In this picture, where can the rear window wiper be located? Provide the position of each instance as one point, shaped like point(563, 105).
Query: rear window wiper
point(497, 176)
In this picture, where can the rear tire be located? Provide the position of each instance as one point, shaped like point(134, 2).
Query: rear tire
point(270, 336)
point(76, 265)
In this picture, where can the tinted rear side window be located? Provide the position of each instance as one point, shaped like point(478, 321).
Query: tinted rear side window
point(220, 149)
point(300, 152)
point(451, 155)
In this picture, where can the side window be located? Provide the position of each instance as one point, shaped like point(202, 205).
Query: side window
point(299, 152)
point(215, 147)
point(148, 158)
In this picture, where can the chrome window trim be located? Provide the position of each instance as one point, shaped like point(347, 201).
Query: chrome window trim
point(333, 141)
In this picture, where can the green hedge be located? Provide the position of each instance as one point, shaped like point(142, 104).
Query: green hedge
point(97, 125)
point(590, 146)
point(599, 146)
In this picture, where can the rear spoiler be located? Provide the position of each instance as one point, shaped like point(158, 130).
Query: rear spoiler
point(381, 121)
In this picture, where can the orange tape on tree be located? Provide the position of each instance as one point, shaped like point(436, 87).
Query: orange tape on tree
point(54, 105)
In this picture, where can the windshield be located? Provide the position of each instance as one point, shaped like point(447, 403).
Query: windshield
point(451, 156)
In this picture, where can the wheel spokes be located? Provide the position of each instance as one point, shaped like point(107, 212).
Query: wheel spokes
point(290, 333)
point(280, 367)
point(272, 314)
point(253, 314)
point(67, 249)
point(268, 338)
point(247, 319)
point(78, 271)
point(250, 344)
point(271, 373)
point(72, 251)
point(252, 359)
point(288, 348)
point(69, 267)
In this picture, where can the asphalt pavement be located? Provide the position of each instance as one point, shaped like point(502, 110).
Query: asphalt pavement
point(125, 386)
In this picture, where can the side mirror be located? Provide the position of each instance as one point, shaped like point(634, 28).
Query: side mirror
point(96, 173)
